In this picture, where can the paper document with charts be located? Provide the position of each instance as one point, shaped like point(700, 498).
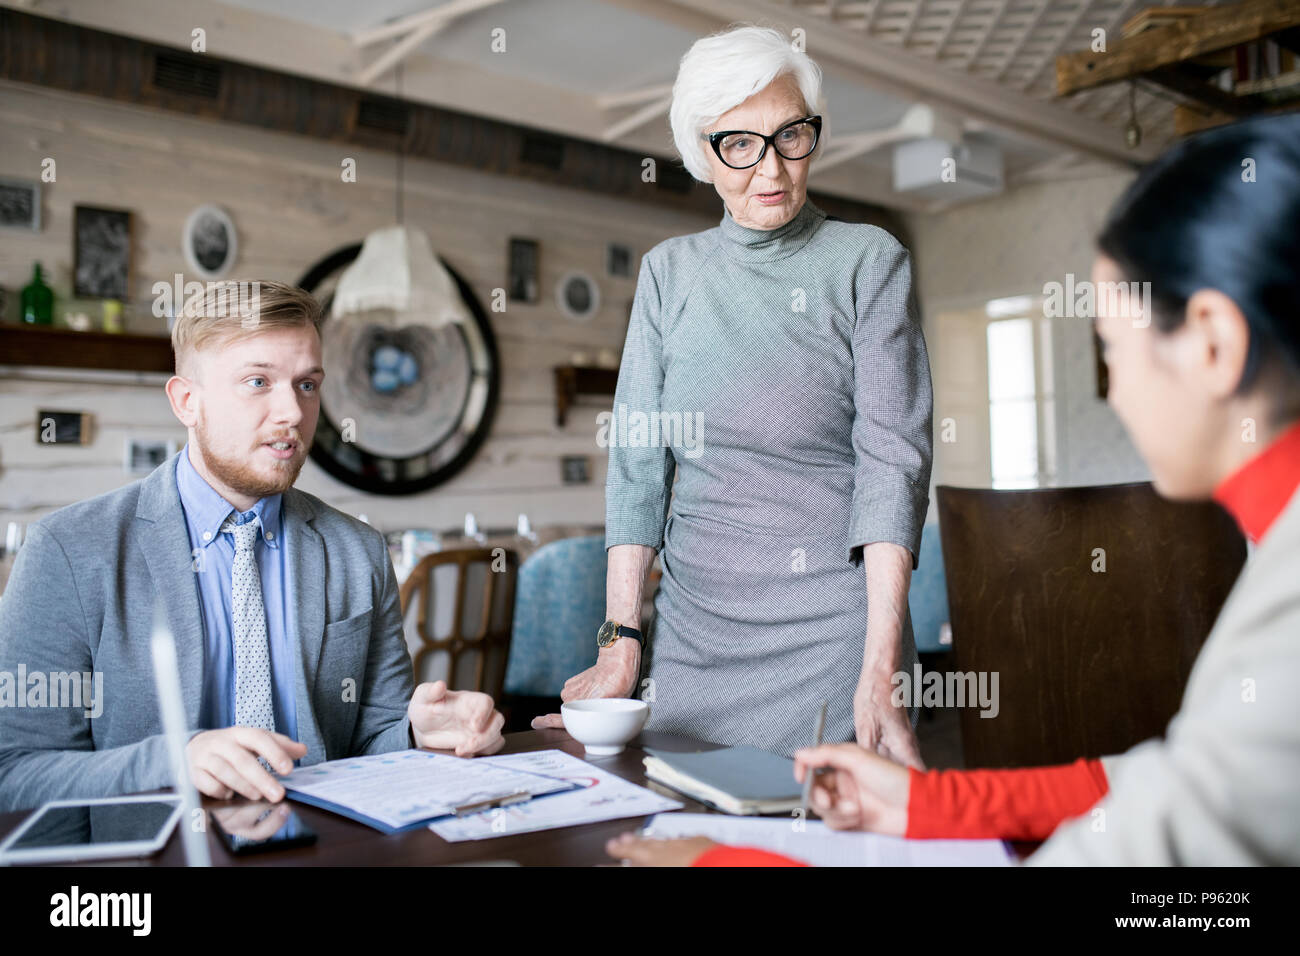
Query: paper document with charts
point(408, 788)
point(604, 796)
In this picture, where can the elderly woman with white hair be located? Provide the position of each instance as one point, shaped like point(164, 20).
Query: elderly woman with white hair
point(792, 339)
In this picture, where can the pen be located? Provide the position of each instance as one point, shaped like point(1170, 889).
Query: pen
point(812, 772)
point(471, 808)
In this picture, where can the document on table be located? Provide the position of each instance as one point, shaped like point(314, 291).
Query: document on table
point(819, 845)
point(408, 788)
point(604, 796)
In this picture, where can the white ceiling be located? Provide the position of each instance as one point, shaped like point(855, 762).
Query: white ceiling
point(583, 46)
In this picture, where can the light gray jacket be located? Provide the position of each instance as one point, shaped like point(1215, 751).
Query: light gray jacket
point(81, 600)
point(1223, 785)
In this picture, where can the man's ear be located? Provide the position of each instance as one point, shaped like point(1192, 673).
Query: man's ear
point(1223, 337)
point(183, 395)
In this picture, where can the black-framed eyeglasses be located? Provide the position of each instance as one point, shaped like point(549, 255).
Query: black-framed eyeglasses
point(742, 148)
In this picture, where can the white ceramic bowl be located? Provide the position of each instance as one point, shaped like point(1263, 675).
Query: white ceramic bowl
point(603, 725)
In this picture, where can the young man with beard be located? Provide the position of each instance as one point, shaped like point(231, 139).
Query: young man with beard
point(285, 611)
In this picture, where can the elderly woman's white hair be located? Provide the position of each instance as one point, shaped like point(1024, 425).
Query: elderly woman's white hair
point(721, 71)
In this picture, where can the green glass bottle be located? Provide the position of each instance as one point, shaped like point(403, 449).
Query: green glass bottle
point(38, 300)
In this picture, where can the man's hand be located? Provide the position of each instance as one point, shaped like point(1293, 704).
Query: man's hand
point(253, 821)
point(860, 790)
point(461, 720)
point(224, 762)
point(880, 725)
point(613, 675)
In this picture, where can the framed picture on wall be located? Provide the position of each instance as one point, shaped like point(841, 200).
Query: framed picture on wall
point(523, 285)
point(101, 253)
point(577, 295)
point(20, 204)
point(575, 469)
point(209, 242)
point(618, 259)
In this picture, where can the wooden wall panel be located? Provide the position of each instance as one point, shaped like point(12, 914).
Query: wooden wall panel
point(291, 208)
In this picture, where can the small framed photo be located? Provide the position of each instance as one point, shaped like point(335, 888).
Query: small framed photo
point(575, 469)
point(20, 204)
point(64, 428)
point(209, 242)
point(143, 455)
point(577, 295)
point(101, 254)
point(618, 260)
point(523, 284)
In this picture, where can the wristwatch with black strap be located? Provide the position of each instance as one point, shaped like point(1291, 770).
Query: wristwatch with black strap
point(611, 631)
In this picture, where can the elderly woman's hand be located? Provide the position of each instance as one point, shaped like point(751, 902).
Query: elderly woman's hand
point(880, 725)
point(857, 789)
point(613, 675)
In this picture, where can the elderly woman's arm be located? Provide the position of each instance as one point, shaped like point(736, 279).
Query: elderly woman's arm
point(880, 725)
point(617, 666)
point(638, 488)
point(892, 444)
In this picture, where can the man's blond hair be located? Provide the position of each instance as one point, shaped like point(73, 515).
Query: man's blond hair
point(225, 312)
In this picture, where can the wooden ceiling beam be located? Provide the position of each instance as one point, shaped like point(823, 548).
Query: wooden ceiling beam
point(1218, 28)
point(1182, 80)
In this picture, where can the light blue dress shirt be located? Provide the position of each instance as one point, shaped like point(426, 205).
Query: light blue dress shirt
point(213, 555)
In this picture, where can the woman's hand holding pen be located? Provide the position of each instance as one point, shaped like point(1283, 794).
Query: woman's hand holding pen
point(857, 789)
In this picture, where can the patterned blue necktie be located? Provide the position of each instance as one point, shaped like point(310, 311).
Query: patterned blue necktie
point(248, 620)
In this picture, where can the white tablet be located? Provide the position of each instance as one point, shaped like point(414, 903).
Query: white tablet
point(66, 831)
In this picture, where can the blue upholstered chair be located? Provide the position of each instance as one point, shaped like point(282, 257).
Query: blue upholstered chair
point(927, 598)
point(559, 605)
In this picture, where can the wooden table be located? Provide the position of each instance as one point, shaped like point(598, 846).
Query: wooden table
point(343, 842)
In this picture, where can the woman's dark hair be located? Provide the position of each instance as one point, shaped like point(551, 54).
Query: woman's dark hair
point(1221, 211)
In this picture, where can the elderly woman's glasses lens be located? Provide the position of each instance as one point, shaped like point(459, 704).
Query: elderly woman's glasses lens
point(741, 148)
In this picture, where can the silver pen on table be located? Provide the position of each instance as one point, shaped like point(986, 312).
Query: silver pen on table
point(812, 772)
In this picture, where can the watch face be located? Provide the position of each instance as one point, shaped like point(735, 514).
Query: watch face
point(605, 636)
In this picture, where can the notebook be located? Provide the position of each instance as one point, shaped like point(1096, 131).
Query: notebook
point(740, 780)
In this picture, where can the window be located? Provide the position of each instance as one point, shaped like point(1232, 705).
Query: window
point(1021, 402)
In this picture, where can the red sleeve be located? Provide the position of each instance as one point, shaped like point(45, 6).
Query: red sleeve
point(724, 855)
point(1019, 804)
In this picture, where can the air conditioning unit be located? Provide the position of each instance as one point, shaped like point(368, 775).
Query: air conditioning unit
point(934, 168)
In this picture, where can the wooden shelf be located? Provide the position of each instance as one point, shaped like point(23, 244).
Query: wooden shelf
point(67, 348)
point(574, 380)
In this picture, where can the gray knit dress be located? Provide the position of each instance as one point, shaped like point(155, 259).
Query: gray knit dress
point(781, 377)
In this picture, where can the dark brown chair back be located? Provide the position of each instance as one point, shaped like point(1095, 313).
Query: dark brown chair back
point(464, 608)
point(1090, 662)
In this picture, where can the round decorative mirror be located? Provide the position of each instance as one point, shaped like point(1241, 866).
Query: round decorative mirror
point(405, 404)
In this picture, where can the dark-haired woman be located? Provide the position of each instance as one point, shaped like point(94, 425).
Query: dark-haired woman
point(1208, 387)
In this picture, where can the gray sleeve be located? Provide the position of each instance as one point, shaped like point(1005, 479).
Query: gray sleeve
point(383, 724)
point(892, 436)
point(638, 484)
point(47, 752)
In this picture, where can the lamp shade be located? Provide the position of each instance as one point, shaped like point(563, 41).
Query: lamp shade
point(397, 270)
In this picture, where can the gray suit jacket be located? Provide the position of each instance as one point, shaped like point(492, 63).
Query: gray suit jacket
point(81, 600)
